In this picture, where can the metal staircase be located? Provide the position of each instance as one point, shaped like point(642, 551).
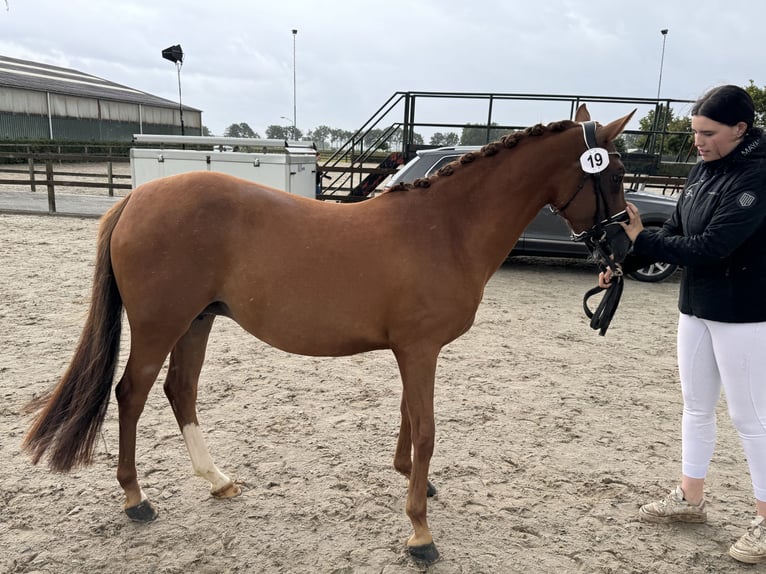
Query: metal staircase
point(364, 160)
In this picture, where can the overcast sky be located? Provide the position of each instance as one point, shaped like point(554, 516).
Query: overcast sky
point(352, 55)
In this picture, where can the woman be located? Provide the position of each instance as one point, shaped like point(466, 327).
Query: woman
point(718, 235)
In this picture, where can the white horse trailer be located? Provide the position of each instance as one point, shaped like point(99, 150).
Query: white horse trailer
point(287, 165)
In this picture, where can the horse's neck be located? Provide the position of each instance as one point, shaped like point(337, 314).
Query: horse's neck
point(491, 205)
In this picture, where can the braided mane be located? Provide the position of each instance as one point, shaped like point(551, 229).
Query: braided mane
point(506, 142)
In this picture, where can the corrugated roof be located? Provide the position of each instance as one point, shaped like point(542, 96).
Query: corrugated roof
point(26, 75)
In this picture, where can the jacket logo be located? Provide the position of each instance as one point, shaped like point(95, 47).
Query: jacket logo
point(691, 189)
point(750, 147)
point(746, 199)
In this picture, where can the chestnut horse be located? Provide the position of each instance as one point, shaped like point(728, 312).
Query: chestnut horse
point(178, 251)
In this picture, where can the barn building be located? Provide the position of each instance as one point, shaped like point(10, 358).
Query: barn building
point(40, 101)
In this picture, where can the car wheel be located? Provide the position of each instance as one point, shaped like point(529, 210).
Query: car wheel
point(655, 272)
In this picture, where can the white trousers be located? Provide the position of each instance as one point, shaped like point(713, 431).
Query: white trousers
point(712, 355)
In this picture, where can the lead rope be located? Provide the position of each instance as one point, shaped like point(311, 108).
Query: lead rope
point(602, 316)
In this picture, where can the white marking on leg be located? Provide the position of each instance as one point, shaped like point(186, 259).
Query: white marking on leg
point(202, 462)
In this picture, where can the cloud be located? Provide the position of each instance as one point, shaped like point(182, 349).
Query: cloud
point(352, 55)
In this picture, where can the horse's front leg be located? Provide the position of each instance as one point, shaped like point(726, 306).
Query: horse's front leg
point(403, 455)
point(418, 368)
point(181, 389)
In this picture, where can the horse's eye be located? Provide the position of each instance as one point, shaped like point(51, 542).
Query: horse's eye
point(617, 178)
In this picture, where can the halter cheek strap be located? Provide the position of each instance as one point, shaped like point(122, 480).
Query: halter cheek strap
point(589, 134)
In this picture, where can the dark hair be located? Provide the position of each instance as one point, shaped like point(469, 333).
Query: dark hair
point(727, 105)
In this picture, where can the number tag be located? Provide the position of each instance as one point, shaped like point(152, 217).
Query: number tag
point(594, 160)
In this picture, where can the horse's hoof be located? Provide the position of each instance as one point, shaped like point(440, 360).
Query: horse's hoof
point(141, 512)
point(229, 491)
point(431, 491)
point(425, 554)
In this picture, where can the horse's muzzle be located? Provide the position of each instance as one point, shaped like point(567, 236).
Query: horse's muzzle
point(607, 241)
point(618, 242)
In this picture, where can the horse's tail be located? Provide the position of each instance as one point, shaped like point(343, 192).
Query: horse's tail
point(70, 415)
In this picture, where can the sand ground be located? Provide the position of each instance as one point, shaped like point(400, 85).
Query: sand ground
point(549, 438)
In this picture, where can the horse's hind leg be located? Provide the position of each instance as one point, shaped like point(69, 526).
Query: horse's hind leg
point(143, 366)
point(181, 389)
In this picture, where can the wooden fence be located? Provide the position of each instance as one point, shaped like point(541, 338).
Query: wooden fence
point(52, 171)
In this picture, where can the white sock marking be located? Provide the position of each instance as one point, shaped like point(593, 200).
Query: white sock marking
point(201, 460)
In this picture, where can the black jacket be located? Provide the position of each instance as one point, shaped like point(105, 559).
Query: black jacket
point(718, 235)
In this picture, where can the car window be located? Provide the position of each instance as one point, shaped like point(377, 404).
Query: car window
point(439, 164)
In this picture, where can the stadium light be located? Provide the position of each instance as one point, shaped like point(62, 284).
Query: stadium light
point(176, 55)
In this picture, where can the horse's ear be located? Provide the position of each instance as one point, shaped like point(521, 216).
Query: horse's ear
point(582, 114)
point(612, 131)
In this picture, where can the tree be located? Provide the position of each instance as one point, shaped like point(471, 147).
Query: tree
point(448, 139)
point(338, 136)
point(478, 134)
point(373, 139)
point(241, 130)
point(319, 135)
point(277, 132)
point(672, 131)
point(206, 131)
point(396, 138)
point(759, 99)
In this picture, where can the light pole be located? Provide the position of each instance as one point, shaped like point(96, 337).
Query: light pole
point(664, 33)
point(659, 110)
point(295, 103)
point(176, 55)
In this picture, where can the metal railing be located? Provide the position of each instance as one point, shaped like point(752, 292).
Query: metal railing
point(396, 126)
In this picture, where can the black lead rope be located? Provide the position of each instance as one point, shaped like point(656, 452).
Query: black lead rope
point(602, 316)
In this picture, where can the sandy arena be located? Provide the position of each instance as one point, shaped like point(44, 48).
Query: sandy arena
point(549, 438)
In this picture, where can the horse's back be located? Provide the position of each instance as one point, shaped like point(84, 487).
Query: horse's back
point(265, 256)
point(204, 194)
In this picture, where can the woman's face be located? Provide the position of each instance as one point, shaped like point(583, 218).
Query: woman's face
point(714, 140)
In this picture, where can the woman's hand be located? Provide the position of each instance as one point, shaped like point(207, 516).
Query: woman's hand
point(634, 226)
point(632, 229)
point(605, 278)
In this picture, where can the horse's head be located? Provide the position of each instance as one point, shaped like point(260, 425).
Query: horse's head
point(596, 206)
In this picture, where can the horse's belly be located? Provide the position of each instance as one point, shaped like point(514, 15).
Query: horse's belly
point(317, 328)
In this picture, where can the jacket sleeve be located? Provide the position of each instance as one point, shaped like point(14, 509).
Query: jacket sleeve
point(740, 212)
point(638, 259)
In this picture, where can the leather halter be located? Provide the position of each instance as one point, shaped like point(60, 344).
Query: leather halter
point(596, 238)
point(597, 241)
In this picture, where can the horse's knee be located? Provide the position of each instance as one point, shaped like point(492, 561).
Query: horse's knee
point(423, 445)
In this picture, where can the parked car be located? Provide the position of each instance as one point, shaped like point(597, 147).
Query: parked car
point(548, 234)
